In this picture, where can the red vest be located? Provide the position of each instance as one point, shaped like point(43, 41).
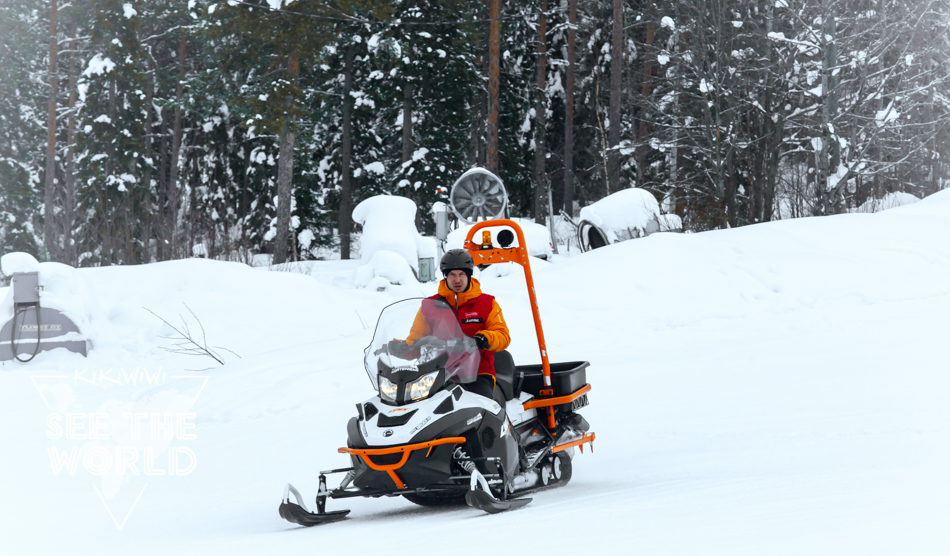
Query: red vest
point(472, 316)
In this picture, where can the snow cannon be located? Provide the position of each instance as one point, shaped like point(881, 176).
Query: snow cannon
point(33, 328)
point(478, 195)
point(627, 214)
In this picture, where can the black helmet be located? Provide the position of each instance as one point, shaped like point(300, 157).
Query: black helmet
point(457, 259)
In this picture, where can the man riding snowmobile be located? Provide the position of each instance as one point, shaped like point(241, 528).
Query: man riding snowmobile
point(478, 314)
point(427, 434)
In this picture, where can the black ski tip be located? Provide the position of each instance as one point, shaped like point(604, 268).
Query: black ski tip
point(295, 514)
point(481, 500)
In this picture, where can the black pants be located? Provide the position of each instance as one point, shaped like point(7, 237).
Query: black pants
point(484, 385)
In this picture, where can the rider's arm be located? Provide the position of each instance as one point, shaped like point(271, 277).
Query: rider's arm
point(496, 331)
point(420, 329)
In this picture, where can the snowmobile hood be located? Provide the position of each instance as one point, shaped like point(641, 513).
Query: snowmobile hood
point(474, 290)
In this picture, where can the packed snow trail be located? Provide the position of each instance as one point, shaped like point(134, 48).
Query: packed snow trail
point(774, 389)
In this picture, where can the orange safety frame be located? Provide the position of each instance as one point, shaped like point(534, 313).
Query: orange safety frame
point(406, 451)
point(485, 254)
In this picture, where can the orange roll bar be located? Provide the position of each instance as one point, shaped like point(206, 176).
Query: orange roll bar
point(406, 450)
point(514, 255)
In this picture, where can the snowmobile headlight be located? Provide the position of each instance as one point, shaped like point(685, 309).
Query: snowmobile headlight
point(420, 387)
point(387, 390)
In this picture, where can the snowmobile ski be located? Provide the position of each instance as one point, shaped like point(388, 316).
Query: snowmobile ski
point(481, 500)
point(299, 514)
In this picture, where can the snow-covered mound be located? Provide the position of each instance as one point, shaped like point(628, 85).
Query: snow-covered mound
point(771, 389)
point(889, 201)
point(389, 234)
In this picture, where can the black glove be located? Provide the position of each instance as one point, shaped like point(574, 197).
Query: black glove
point(482, 342)
point(398, 348)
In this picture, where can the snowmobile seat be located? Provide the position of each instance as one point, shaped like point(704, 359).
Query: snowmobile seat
point(505, 374)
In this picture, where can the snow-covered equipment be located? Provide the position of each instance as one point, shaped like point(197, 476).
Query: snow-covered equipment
point(428, 439)
point(478, 195)
point(390, 246)
point(32, 328)
point(627, 214)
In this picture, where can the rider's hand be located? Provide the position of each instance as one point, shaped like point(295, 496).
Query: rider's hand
point(482, 342)
point(398, 348)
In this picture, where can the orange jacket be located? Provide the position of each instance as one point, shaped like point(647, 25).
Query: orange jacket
point(495, 331)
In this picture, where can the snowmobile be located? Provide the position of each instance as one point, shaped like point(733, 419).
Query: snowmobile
point(428, 439)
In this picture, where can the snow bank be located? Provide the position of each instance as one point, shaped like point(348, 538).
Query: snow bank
point(389, 266)
point(537, 237)
point(889, 201)
point(626, 214)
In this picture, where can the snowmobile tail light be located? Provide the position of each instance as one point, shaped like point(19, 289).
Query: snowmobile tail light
point(420, 387)
point(387, 389)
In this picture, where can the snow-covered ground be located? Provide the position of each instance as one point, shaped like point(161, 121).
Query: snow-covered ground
point(773, 389)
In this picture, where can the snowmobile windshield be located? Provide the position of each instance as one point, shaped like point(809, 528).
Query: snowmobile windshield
point(413, 334)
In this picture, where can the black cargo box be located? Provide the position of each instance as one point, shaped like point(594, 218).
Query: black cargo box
point(566, 378)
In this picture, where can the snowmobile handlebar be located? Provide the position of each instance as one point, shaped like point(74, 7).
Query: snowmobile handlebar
point(453, 345)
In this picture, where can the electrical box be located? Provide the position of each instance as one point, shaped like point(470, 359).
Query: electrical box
point(441, 225)
point(427, 269)
point(26, 288)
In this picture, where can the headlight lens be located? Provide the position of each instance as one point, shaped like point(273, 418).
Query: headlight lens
point(387, 390)
point(419, 388)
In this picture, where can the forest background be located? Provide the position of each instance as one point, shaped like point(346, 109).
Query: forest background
point(134, 131)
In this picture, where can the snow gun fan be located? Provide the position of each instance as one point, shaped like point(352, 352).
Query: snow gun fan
point(478, 195)
point(33, 328)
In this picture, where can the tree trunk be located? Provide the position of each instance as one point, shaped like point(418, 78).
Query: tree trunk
point(494, 82)
point(146, 213)
point(645, 90)
point(285, 168)
point(828, 155)
point(346, 201)
point(406, 122)
point(616, 72)
point(49, 197)
point(540, 121)
point(69, 199)
point(569, 110)
point(172, 194)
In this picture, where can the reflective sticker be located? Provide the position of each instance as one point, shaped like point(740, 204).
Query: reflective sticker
point(420, 425)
